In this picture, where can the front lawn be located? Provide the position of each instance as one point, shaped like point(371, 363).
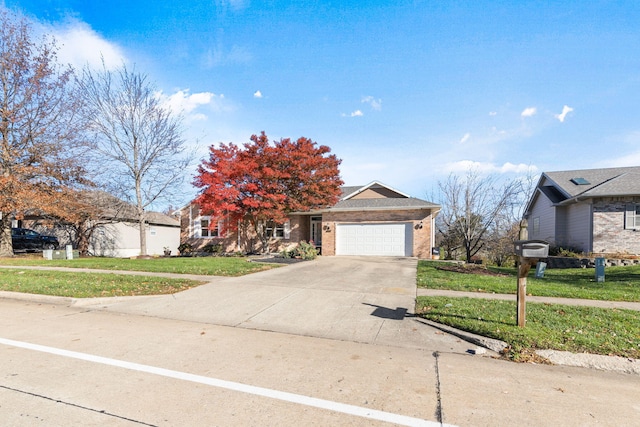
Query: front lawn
point(549, 326)
point(88, 285)
point(621, 283)
point(210, 266)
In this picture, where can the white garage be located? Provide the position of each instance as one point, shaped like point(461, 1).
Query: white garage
point(387, 239)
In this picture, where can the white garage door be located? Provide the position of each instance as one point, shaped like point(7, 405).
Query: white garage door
point(374, 239)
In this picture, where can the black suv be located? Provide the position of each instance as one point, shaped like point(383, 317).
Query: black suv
point(29, 240)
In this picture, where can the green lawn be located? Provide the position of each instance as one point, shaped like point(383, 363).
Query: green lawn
point(549, 326)
point(212, 266)
point(88, 285)
point(621, 283)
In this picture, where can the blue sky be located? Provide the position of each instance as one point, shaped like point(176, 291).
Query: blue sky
point(405, 92)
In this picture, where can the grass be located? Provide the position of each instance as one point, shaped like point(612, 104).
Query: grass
point(88, 285)
point(210, 266)
point(621, 283)
point(549, 326)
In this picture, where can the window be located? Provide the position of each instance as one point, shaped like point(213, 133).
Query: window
point(205, 227)
point(279, 231)
point(535, 231)
point(632, 217)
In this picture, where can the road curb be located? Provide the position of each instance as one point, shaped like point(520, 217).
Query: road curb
point(490, 343)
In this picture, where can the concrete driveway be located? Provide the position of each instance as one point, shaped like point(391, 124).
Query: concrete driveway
point(359, 299)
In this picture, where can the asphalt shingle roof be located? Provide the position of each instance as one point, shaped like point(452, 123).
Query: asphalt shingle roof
point(602, 182)
point(394, 203)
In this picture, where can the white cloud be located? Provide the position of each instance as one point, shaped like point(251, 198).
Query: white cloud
point(487, 168)
point(357, 113)
point(80, 45)
point(375, 104)
point(184, 102)
point(529, 112)
point(465, 138)
point(257, 94)
point(493, 113)
point(565, 110)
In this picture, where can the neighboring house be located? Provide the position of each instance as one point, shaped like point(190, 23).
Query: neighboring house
point(592, 210)
point(121, 237)
point(116, 233)
point(373, 219)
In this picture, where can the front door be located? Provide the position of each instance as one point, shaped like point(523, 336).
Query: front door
point(316, 231)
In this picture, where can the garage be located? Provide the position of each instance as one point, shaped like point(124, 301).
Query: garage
point(387, 239)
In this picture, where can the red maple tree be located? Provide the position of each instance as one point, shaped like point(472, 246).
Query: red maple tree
point(260, 183)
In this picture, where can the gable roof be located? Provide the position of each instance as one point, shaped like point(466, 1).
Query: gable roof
point(348, 201)
point(562, 187)
point(354, 191)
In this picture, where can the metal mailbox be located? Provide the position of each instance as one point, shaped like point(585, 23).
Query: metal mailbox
point(531, 248)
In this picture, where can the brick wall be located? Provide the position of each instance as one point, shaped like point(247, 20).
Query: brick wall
point(609, 234)
point(420, 220)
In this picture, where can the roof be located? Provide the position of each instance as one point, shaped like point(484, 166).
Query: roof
point(601, 182)
point(400, 200)
point(115, 209)
point(562, 187)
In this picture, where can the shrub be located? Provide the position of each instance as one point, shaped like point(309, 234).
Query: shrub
point(567, 252)
point(213, 248)
point(185, 248)
point(304, 250)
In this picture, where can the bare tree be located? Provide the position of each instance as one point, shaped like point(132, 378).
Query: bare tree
point(136, 139)
point(39, 126)
point(472, 205)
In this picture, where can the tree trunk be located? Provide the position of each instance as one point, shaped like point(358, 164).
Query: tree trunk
point(143, 235)
point(6, 244)
point(83, 236)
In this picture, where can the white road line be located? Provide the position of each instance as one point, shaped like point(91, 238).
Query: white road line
point(229, 385)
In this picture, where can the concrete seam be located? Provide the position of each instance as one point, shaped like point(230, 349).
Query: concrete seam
point(76, 405)
point(267, 308)
point(438, 414)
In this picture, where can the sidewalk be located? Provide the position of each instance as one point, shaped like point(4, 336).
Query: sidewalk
point(548, 300)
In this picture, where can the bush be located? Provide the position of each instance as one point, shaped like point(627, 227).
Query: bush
point(213, 248)
point(304, 250)
point(185, 249)
point(567, 252)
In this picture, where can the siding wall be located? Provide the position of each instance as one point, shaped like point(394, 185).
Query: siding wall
point(543, 209)
point(578, 226)
point(122, 239)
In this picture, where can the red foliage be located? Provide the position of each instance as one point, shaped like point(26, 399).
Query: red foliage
point(264, 182)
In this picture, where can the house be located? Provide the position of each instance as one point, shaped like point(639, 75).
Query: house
point(115, 230)
point(120, 237)
point(374, 219)
point(590, 210)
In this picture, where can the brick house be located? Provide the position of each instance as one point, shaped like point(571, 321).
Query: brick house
point(591, 210)
point(373, 219)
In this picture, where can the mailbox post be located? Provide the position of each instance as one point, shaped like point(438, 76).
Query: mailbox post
point(528, 252)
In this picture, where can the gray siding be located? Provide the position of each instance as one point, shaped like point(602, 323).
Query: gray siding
point(578, 226)
point(546, 213)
